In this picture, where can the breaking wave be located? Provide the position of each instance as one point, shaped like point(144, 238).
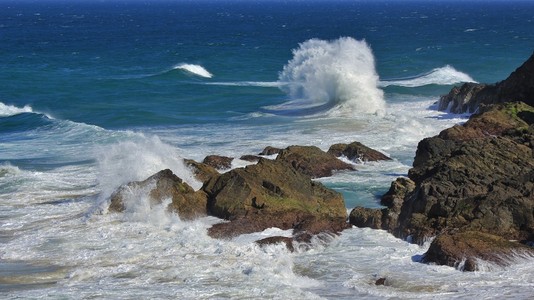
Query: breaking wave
point(446, 75)
point(337, 77)
point(194, 69)
point(11, 110)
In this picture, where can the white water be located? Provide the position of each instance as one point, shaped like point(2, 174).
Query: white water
point(338, 76)
point(446, 75)
point(194, 69)
point(10, 110)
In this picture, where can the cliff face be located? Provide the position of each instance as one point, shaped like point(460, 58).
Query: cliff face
point(519, 86)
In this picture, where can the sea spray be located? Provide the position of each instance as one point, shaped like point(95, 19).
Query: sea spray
point(337, 75)
point(136, 160)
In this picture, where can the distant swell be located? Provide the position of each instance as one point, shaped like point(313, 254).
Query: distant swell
point(446, 75)
point(194, 69)
point(334, 77)
point(10, 110)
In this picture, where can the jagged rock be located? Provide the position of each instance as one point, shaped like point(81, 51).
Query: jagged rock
point(218, 162)
point(475, 177)
point(187, 203)
point(519, 86)
point(270, 151)
point(202, 172)
point(272, 194)
point(356, 151)
point(463, 250)
point(312, 161)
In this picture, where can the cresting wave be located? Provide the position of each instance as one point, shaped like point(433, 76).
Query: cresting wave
point(194, 69)
point(446, 75)
point(337, 76)
point(11, 110)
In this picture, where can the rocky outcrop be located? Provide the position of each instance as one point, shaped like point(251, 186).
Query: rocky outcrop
point(465, 250)
point(519, 86)
point(218, 162)
point(356, 152)
point(202, 172)
point(163, 185)
point(272, 194)
point(312, 161)
point(473, 177)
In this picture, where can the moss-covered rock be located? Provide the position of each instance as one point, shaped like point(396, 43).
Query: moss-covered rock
point(357, 152)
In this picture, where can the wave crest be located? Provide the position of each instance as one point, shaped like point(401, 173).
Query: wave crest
point(11, 110)
point(446, 75)
point(338, 76)
point(194, 69)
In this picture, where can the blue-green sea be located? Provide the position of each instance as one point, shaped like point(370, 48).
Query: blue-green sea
point(97, 93)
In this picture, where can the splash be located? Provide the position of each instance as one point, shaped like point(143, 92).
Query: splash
point(137, 160)
point(194, 69)
point(10, 110)
point(446, 75)
point(337, 76)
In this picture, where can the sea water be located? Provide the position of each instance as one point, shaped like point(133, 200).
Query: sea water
point(94, 94)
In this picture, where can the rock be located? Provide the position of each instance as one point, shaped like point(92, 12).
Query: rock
point(356, 151)
point(250, 158)
point(519, 86)
point(218, 162)
point(287, 241)
point(312, 161)
point(475, 177)
point(465, 249)
point(270, 151)
point(187, 203)
point(271, 194)
point(202, 172)
point(380, 281)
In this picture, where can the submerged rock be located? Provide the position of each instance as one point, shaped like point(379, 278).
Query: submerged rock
point(465, 250)
point(519, 86)
point(356, 151)
point(187, 203)
point(312, 161)
point(272, 194)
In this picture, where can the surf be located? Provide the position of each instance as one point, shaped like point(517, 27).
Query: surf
point(446, 75)
point(193, 69)
point(336, 77)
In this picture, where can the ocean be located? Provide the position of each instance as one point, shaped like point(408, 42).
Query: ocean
point(94, 94)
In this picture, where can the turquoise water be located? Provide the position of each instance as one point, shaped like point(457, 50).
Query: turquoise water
point(94, 94)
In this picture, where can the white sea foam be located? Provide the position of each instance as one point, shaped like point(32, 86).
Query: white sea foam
point(249, 83)
point(446, 75)
point(194, 69)
point(11, 110)
point(337, 77)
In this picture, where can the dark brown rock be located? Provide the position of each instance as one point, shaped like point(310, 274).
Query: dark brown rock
point(187, 203)
point(202, 172)
point(218, 162)
point(519, 86)
point(250, 158)
point(312, 161)
point(380, 281)
point(271, 194)
point(270, 151)
point(463, 250)
point(357, 152)
point(475, 177)
point(287, 241)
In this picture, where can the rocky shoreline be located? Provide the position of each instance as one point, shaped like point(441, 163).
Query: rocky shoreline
point(471, 188)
